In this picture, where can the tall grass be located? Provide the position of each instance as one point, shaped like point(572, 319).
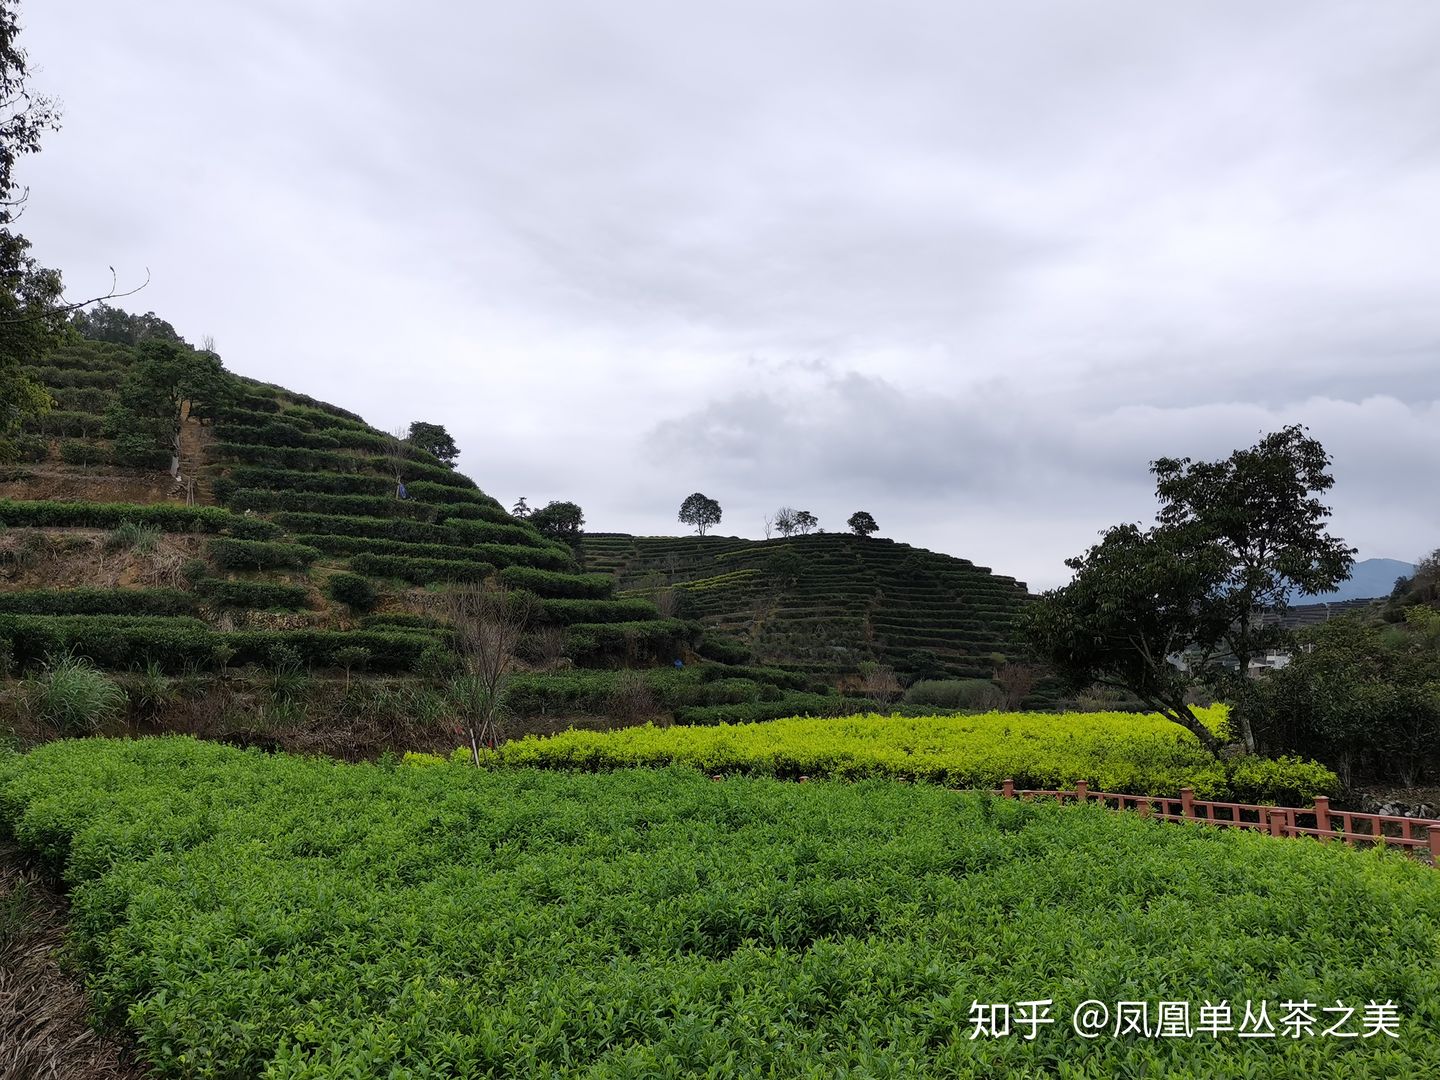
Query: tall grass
point(74, 696)
point(133, 536)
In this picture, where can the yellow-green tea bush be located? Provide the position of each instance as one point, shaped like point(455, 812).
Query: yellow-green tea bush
point(1120, 752)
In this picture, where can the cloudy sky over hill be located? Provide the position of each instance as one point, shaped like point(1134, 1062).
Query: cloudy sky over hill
point(967, 266)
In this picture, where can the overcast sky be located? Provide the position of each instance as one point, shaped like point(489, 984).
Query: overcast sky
point(968, 266)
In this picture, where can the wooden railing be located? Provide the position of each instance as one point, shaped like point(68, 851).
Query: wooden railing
point(1318, 821)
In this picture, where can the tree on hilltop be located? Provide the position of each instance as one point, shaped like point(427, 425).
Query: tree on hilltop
point(521, 509)
point(167, 378)
point(785, 522)
point(861, 523)
point(701, 511)
point(806, 522)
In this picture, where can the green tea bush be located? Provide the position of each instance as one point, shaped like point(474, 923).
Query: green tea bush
point(352, 590)
point(553, 585)
point(97, 602)
point(163, 516)
point(564, 612)
point(240, 914)
point(655, 640)
point(253, 595)
point(230, 554)
point(420, 571)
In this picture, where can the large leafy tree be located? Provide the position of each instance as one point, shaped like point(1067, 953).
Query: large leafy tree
point(562, 521)
point(167, 383)
point(1156, 611)
point(435, 440)
point(862, 523)
point(699, 511)
point(1257, 512)
point(31, 316)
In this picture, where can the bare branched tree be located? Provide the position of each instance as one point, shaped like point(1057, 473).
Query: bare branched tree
point(397, 457)
point(1016, 680)
point(880, 684)
point(488, 625)
point(769, 527)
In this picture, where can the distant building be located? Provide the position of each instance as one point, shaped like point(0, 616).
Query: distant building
point(1295, 617)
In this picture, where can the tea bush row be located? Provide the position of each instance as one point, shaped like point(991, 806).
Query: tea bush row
point(117, 642)
point(164, 516)
point(242, 915)
point(1119, 752)
point(231, 554)
point(88, 601)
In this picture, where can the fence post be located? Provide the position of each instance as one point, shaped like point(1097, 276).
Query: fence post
point(1007, 788)
point(1187, 801)
point(1276, 819)
point(1322, 817)
point(1082, 790)
point(1433, 834)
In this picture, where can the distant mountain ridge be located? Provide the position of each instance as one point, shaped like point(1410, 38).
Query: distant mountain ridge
point(1370, 579)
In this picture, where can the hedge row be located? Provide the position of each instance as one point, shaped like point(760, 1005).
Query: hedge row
point(230, 554)
point(792, 704)
point(341, 461)
point(174, 644)
point(128, 453)
point(351, 483)
point(256, 595)
point(454, 534)
point(344, 505)
point(97, 602)
point(567, 612)
point(420, 571)
point(65, 423)
point(360, 545)
point(657, 639)
point(550, 584)
point(54, 376)
point(164, 516)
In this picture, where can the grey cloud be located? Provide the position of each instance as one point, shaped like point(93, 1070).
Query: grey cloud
point(967, 265)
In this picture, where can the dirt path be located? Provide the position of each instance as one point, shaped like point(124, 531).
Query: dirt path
point(43, 1031)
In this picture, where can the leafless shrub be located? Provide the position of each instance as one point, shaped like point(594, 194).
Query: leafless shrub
point(488, 625)
point(1016, 680)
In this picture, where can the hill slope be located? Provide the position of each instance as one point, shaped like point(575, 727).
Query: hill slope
point(827, 602)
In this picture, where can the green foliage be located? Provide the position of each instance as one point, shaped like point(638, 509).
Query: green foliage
point(700, 512)
point(254, 595)
point(231, 554)
point(105, 323)
point(97, 602)
point(164, 376)
point(434, 440)
point(352, 590)
point(240, 914)
point(73, 697)
point(164, 516)
point(553, 585)
point(118, 642)
point(954, 693)
point(420, 571)
point(1362, 698)
point(862, 523)
point(565, 612)
point(559, 521)
point(654, 640)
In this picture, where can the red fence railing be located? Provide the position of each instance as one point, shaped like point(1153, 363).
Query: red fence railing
point(1318, 821)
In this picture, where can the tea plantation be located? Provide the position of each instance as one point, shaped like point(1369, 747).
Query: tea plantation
point(827, 603)
point(243, 915)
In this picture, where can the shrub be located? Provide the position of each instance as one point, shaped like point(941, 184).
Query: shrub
point(352, 590)
point(231, 554)
point(80, 452)
point(98, 602)
point(660, 639)
point(165, 517)
point(954, 694)
point(420, 571)
point(568, 612)
point(553, 585)
point(254, 595)
point(73, 697)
